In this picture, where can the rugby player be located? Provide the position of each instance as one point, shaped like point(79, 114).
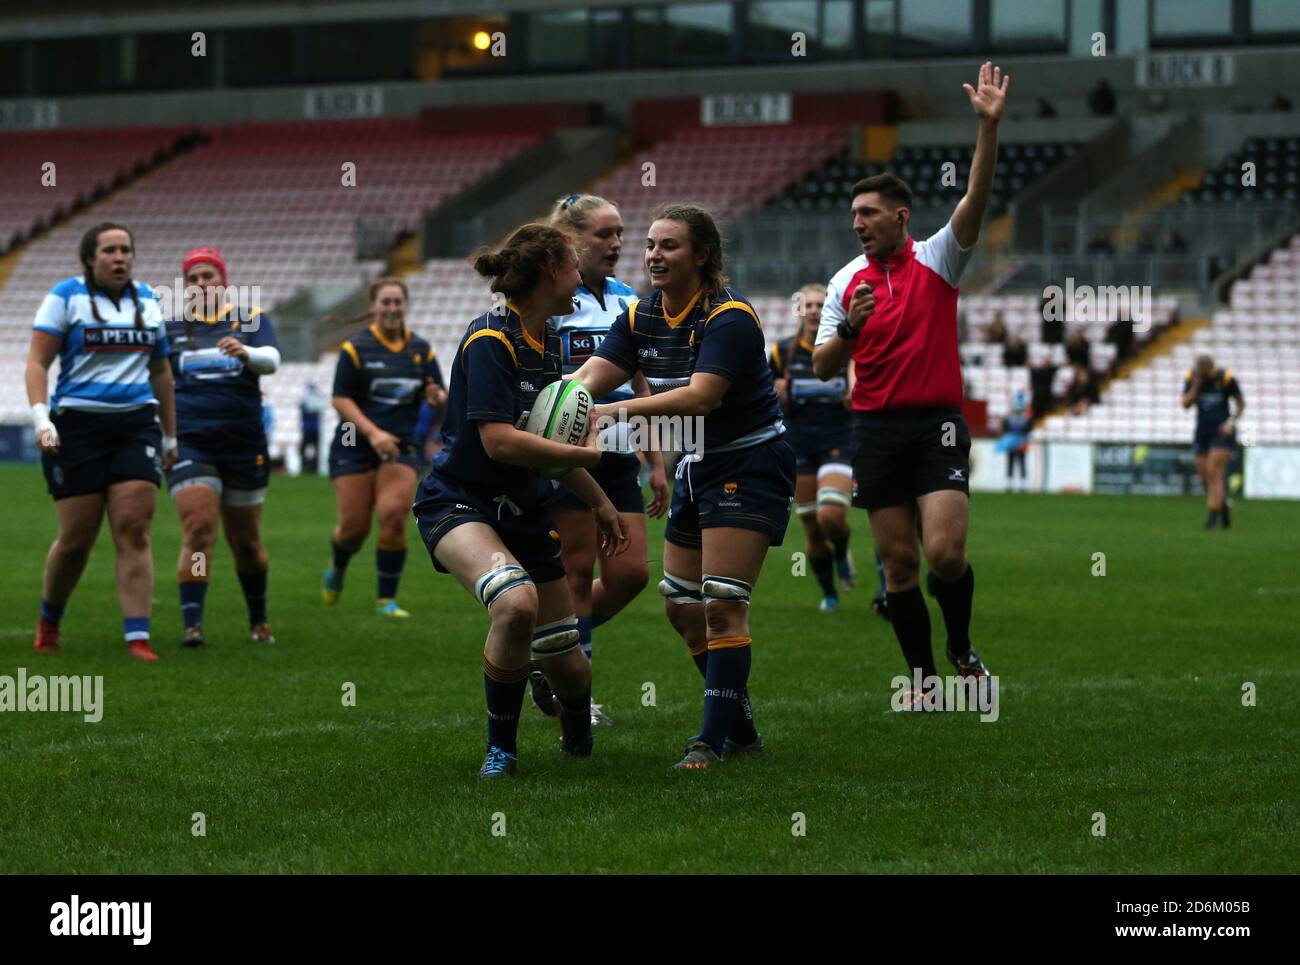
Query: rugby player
point(1210, 389)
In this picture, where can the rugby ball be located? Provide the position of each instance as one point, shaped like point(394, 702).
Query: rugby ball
point(560, 414)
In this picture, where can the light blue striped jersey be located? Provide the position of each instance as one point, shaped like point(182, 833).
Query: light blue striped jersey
point(103, 366)
point(582, 332)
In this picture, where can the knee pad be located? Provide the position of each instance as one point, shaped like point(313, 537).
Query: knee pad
point(553, 639)
point(805, 510)
point(830, 496)
point(680, 591)
point(726, 589)
point(495, 582)
point(834, 469)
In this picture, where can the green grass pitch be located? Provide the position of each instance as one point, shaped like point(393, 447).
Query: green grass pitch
point(1120, 694)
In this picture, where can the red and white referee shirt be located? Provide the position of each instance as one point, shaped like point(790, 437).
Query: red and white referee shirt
point(906, 355)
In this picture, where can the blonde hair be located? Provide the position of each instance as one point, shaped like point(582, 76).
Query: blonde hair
point(574, 211)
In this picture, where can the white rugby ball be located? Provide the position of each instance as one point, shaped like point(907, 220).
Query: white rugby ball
point(561, 413)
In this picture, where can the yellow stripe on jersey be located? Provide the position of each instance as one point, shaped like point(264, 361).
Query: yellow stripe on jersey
point(492, 332)
point(352, 353)
point(387, 342)
point(1227, 377)
point(631, 313)
point(733, 304)
point(776, 356)
point(675, 320)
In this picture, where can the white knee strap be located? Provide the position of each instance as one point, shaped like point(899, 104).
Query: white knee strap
point(724, 588)
point(834, 469)
point(553, 639)
point(804, 510)
point(495, 582)
point(680, 591)
point(830, 496)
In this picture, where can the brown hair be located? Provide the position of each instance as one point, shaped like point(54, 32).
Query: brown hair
point(573, 211)
point(702, 232)
point(88, 249)
point(373, 290)
point(889, 186)
point(516, 265)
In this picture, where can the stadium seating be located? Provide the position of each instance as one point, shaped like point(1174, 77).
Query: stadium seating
point(1256, 338)
point(1277, 174)
point(29, 203)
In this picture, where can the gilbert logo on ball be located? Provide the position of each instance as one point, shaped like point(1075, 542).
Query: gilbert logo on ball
point(560, 414)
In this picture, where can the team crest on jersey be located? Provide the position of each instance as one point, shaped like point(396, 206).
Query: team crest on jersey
point(261, 459)
point(729, 489)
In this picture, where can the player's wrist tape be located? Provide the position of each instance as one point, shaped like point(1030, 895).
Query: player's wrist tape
point(169, 443)
point(41, 416)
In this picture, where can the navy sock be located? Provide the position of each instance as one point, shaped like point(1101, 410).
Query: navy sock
point(193, 593)
point(702, 662)
point(880, 576)
point(584, 634)
point(136, 628)
point(52, 612)
point(911, 622)
point(254, 586)
point(841, 547)
point(598, 618)
point(823, 569)
point(341, 557)
point(389, 565)
point(724, 684)
point(504, 691)
point(743, 730)
point(575, 717)
point(955, 602)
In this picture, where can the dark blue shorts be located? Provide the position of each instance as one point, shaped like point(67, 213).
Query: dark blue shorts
point(98, 449)
point(1208, 437)
point(616, 473)
point(815, 448)
point(528, 531)
point(244, 468)
point(747, 489)
point(359, 458)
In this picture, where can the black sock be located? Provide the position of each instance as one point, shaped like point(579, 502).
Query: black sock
point(823, 569)
point(341, 557)
point(702, 662)
point(841, 547)
point(504, 690)
point(1227, 518)
point(388, 564)
point(575, 717)
point(911, 622)
point(1214, 517)
point(253, 583)
point(955, 602)
point(724, 684)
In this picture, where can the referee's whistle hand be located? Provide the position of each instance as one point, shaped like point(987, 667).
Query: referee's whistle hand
point(861, 306)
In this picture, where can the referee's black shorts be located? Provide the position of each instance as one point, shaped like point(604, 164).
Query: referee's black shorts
point(901, 454)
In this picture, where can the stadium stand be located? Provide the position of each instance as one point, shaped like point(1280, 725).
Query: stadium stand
point(1277, 174)
point(30, 202)
point(1254, 337)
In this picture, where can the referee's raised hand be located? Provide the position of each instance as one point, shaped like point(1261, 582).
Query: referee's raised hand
point(861, 306)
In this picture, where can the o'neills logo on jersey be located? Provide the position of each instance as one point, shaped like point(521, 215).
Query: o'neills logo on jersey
point(118, 339)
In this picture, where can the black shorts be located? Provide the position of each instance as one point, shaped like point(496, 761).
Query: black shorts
point(360, 457)
point(747, 489)
point(901, 454)
point(1208, 437)
point(528, 531)
point(814, 448)
point(98, 449)
point(616, 474)
point(243, 470)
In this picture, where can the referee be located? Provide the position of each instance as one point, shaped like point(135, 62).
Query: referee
point(893, 310)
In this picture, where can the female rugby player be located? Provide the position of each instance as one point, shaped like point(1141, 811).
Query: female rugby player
point(483, 510)
point(817, 424)
point(600, 299)
point(218, 353)
point(101, 446)
point(701, 349)
point(1209, 388)
point(383, 373)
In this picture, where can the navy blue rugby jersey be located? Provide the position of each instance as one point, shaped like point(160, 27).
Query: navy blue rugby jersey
point(385, 378)
point(816, 407)
point(719, 335)
point(498, 370)
point(216, 392)
point(1212, 408)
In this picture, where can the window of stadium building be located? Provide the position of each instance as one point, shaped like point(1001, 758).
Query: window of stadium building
point(1026, 23)
point(772, 24)
point(696, 30)
point(1275, 17)
point(936, 24)
point(1191, 18)
point(558, 38)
